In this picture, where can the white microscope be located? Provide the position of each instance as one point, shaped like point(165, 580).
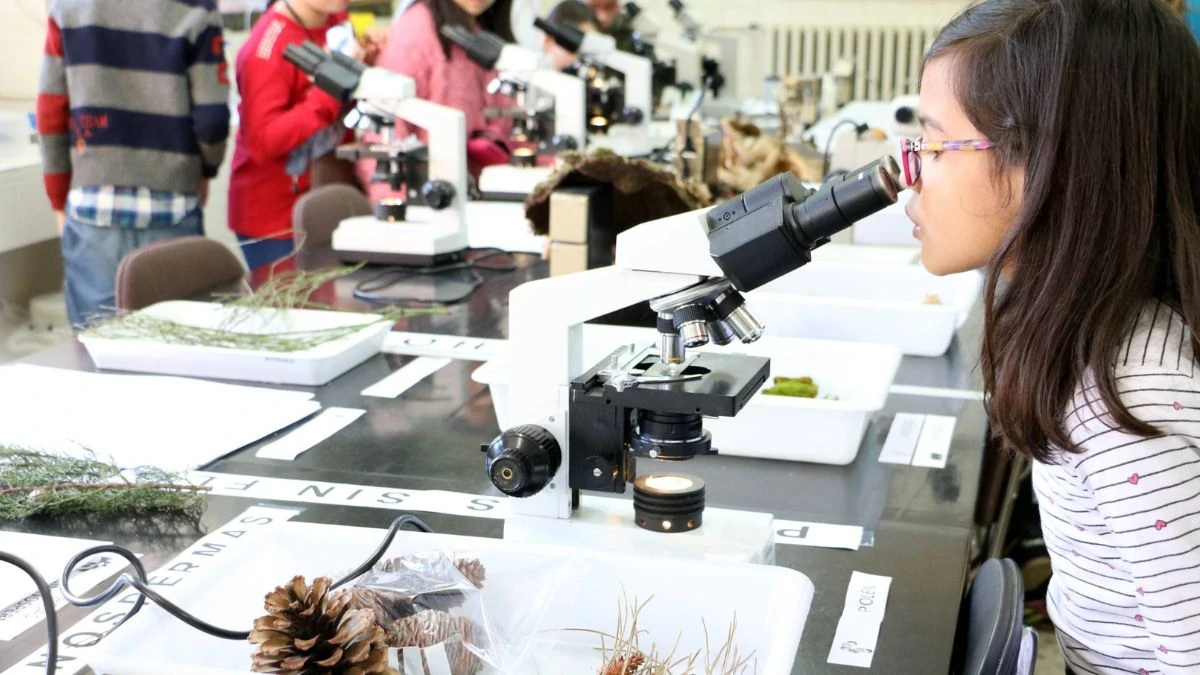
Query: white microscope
point(630, 137)
point(695, 63)
point(428, 226)
point(583, 425)
point(525, 76)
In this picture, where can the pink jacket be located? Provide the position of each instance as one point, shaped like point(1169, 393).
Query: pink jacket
point(413, 49)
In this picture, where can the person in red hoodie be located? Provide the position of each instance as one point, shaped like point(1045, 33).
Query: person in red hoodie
point(444, 74)
point(286, 123)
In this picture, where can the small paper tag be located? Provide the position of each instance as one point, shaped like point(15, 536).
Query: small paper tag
point(309, 434)
point(451, 346)
point(823, 535)
point(902, 439)
point(404, 379)
point(933, 450)
point(858, 629)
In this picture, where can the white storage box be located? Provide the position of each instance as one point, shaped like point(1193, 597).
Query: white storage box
point(868, 303)
point(889, 227)
point(862, 253)
point(309, 367)
point(774, 427)
point(528, 606)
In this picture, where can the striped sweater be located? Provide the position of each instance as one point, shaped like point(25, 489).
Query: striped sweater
point(1122, 519)
point(133, 93)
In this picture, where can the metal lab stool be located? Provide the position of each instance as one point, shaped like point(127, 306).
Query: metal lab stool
point(174, 269)
point(992, 639)
point(317, 214)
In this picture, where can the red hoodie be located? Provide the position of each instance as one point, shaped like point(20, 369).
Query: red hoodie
point(280, 112)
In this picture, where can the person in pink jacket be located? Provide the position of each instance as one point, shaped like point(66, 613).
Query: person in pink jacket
point(444, 74)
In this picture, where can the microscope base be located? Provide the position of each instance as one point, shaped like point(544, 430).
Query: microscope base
point(511, 183)
point(413, 244)
point(602, 523)
point(399, 259)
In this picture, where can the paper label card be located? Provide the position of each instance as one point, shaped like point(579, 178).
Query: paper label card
point(857, 632)
point(312, 432)
point(407, 377)
point(902, 439)
point(823, 535)
point(933, 449)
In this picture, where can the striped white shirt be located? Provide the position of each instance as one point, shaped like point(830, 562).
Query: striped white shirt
point(1122, 519)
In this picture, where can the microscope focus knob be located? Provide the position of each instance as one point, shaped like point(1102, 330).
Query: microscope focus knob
point(437, 194)
point(523, 460)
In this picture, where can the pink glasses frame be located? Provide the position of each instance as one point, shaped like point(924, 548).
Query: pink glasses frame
point(910, 153)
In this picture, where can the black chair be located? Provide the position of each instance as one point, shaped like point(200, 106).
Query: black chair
point(991, 631)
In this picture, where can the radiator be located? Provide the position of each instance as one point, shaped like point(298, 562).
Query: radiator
point(887, 60)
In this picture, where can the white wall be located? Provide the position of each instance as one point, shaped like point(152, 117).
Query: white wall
point(22, 35)
point(721, 13)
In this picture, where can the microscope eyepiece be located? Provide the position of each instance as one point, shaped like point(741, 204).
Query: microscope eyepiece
point(772, 228)
point(337, 74)
point(566, 36)
point(847, 199)
point(483, 47)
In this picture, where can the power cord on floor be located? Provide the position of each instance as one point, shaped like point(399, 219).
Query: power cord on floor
point(373, 288)
point(138, 582)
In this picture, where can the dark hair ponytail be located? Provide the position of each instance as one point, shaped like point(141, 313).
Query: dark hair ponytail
point(497, 19)
point(1098, 102)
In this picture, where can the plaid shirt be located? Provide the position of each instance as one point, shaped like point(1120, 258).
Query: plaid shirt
point(129, 207)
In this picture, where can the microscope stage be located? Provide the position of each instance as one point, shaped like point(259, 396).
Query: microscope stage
point(726, 384)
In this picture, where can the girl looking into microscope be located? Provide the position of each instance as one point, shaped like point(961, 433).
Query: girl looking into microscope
point(286, 124)
point(1061, 152)
point(444, 74)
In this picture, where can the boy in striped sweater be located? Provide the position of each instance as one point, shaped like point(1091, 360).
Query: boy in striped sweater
point(133, 116)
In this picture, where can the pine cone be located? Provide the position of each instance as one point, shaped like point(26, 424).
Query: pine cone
point(626, 665)
point(473, 570)
point(429, 628)
point(386, 606)
point(308, 631)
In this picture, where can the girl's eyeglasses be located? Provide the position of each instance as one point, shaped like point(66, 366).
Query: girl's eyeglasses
point(910, 153)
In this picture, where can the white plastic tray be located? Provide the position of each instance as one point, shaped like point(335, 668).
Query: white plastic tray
point(309, 367)
point(522, 601)
point(862, 253)
point(858, 302)
point(773, 427)
point(889, 227)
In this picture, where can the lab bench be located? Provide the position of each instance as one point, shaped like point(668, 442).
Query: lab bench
point(918, 523)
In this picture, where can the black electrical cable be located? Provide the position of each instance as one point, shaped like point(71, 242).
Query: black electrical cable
point(138, 582)
point(371, 289)
point(47, 602)
point(860, 128)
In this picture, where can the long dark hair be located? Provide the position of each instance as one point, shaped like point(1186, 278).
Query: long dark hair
point(497, 19)
point(1099, 102)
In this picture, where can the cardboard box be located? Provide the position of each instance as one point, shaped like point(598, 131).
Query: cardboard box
point(567, 258)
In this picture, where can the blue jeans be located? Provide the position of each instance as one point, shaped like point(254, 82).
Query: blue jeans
point(264, 252)
point(92, 254)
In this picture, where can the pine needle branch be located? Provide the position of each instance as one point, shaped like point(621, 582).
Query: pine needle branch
point(291, 289)
point(44, 484)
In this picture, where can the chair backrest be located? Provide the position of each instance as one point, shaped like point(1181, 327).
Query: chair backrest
point(317, 213)
point(174, 269)
point(991, 629)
